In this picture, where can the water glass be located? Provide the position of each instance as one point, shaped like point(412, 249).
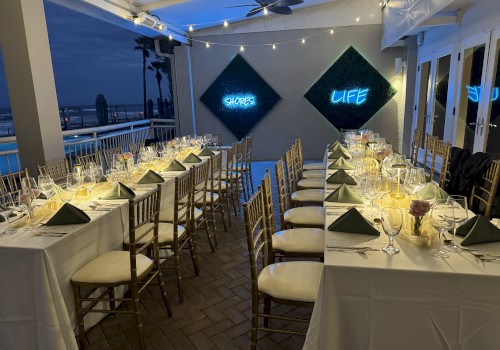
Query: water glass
point(442, 219)
point(7, 207)
point(461, 215)
point(29, 183)
point(47, 185)
point(392, 221)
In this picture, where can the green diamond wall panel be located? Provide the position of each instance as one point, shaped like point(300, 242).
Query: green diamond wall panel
point(350, 92)
point(239, 97)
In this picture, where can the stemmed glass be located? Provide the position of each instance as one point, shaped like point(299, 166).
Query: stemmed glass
point(88, 181)
point(29, 183)
point(392, 221)
point(414, 179)
point(461, 214)
point(7, 206)
point(47, 185)
point(370, 191)
point(442, 219)
point(25, 200)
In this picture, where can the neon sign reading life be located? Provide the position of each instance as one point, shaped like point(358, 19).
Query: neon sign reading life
point(475, 93)
point(239, 101)
point(354, 96)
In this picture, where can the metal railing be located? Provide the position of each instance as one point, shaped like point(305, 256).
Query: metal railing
point(89, 140)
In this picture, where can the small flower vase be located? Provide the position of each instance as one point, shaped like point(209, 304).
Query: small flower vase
point(417, 224)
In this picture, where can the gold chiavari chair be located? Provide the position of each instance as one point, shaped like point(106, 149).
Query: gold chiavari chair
point(305, 242)
point(12, 182)
point(313, 182)
point(415, 146)
point(238, 176)
point(131, 268)
point(135, 148)
point(200, 180)
point(108, 155)
point(293, 282)
point(57, 170)
point(214, 197)
point(440, 161)
point(311, 216)
point(172, 235)
point(232, 176)
point(484, 190)
point(227, 186)
point(309, 166)
point(429, 145)
point(307, 174)
point(88, 158)
point(247, 169)
point(295, 195)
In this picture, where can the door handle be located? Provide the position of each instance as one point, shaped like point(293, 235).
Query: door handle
point(473, 123)
point(436, 117)
point(493, 125)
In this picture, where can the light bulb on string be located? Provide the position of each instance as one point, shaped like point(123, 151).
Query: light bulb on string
point(274, 46)
point(207, 44)
point(161, 27)
point(242, 48)
point(226, 23)
point(265, 11)
point(357, 19)
point(303, 41)
point(170, 37)
point(332, 31)
point(191, 28)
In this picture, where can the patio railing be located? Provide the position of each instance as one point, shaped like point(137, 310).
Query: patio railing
point(89, 140)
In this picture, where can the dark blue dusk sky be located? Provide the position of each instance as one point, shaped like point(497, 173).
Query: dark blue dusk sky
point(91, 56)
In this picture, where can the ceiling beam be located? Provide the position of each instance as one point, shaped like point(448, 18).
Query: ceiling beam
point(440, 20)
point(161, 3)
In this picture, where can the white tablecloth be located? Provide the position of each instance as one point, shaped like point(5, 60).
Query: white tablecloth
point(36, 296)
point(406, 301)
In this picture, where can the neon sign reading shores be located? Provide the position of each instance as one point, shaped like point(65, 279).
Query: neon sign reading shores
point(239, 101)
point(353, 96)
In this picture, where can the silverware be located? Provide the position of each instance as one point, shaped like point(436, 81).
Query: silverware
point(359, 250)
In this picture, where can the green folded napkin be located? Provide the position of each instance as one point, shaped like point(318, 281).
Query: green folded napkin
point(175, 166)
point(335, 143)
point(341, 177)
point(4, 208)
point(430, 191)
point(151, 177)
point(120, 191)
point(344, 194)
point(205, 152)
point(353, 222)
point(192, 158)
point(341, 163)
point(478, 230)
point(339, 152)
point(68, 215)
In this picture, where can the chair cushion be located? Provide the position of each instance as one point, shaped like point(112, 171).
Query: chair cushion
point(314, 173)
point(165, 233)
point(314, 166)
point(167, 214)
point(300, 240)
point(198, 198)
point(111, 267)
point(223, 186)
point(291, 280)
point(314, 182)
point(310, 195)
point(312, 216)
point(232, 176)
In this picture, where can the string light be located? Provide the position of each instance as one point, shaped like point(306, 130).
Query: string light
point(303, 40)
point(357, 19)
point(191, 28)
point(274, 46)
point(207, 44)
point(332, 31)
point(226, 23)
point(265, 11)
point(242, 48)
point(170, 37)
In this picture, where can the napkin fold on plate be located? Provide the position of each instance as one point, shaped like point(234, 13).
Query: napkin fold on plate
point(478, 230)
point(334, 144)
point(119, 191)
point(431, 190)
point(205, 152)
point(175, 166)
point(68, 215)
point(339, 152)
point(192, 158)
point(151, 177)
point(353, 222)
point(341, 177)
point(344, 194)
point(341, 163)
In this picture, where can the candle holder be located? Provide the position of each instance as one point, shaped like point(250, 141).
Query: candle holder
point(398, 194)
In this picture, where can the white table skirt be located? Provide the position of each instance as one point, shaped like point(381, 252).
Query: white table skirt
point(407, 301)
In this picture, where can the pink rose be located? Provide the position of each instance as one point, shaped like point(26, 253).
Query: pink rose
point(419, 208)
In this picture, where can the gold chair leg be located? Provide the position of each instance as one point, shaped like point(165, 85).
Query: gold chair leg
point(222, 214)
point(163, 291)
point(79, 318)
point(111, 294)
point(137, 317)
point(267, 310)
point(194, 256)
point(177, 262)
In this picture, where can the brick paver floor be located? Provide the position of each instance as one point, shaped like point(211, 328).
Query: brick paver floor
point(216, 311)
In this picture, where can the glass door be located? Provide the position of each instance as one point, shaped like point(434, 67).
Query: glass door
point(472, 79)
point(489, 139)
point(440, 95)
point(423, 93)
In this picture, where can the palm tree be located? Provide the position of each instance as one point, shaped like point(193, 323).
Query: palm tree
point(157, 66)
point(144, 44)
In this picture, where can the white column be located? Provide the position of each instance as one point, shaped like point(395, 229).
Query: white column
point(30, 80)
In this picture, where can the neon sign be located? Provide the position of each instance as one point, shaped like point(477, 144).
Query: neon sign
point(475, 93)
point(239, 101)
point(354, 96)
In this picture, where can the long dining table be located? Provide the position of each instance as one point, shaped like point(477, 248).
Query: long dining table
point(37, 308)
point(411, 300)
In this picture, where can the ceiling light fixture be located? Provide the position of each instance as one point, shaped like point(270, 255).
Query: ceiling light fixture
point(150, 21)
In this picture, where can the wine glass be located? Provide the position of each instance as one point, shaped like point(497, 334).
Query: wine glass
point(25, 200)
point(384, 186)
point(88, 181)
point(442, 219)
point(392, 221)
point(370, 191)
point(461, 214)
point(414, 179)
point(29, 183)
point(47, 185)
point(7, 206)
